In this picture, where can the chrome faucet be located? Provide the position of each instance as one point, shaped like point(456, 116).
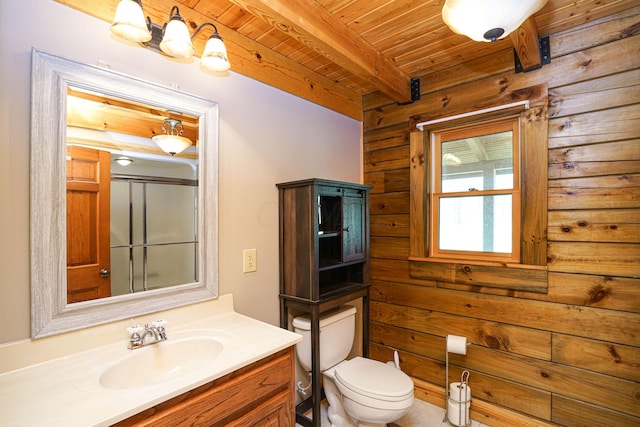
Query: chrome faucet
point(156, 329)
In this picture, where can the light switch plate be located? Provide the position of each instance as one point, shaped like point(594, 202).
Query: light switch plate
point(249, 261)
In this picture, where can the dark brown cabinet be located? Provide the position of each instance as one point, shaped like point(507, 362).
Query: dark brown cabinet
point(324, 260)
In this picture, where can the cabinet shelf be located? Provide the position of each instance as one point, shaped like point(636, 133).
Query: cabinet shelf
point(325, 234)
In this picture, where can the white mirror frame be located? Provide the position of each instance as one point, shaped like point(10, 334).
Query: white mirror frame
point(50, 313)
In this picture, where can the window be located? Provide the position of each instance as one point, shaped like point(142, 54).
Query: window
point(475, 197)
point(478, 202)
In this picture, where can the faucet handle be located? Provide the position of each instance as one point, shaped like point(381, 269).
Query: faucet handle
point(134, 329)
point(158, 323)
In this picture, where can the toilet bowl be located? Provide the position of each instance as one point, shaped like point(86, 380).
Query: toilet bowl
point(360, 392)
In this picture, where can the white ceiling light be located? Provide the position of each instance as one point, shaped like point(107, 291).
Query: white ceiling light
point(488, 20)
point(172, 141)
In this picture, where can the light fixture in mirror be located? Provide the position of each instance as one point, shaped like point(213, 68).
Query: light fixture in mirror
point(172, 141)
point(488, 21)
point(52, 78)
point(124, 161)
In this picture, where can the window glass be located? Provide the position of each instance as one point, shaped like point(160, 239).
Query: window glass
point(476, 224)
point(475, 192)
point(478, 163)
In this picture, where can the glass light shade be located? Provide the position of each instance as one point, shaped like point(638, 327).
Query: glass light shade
point(214, 57)
point(172, 144)
point(124, 161)
point(474, 18)
point(129, 23)
point(176, 41)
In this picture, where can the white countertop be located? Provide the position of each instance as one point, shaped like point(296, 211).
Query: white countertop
point(66, 391)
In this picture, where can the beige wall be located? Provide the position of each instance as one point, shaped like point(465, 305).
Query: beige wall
point(266, 137)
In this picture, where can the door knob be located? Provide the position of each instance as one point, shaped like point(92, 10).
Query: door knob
point(104, 273)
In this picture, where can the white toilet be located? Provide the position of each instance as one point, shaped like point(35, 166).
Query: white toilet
point(360, 392)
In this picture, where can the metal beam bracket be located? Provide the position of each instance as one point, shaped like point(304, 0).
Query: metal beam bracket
point(415, 89)
point(545, 56)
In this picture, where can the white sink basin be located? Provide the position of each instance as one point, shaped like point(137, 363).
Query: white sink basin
point(161, 362)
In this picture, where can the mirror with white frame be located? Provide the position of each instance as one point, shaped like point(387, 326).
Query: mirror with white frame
point(53, 78)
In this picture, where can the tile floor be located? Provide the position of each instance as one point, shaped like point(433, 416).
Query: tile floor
point(421, 414)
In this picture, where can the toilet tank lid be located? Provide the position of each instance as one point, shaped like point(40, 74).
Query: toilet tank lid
point(328, 317)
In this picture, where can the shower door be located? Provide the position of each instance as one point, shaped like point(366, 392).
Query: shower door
point(153, 233)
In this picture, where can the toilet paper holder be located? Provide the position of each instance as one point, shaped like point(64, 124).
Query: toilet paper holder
point(458, 345)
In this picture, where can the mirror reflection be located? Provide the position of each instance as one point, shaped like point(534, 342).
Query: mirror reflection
point(131, 206)
point(81, 118)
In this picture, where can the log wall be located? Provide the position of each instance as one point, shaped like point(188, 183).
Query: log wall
point(570, 355)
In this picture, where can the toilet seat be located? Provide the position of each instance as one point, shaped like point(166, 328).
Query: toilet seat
point(374, 380)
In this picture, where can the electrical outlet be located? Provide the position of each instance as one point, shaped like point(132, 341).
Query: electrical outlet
point(249, 261)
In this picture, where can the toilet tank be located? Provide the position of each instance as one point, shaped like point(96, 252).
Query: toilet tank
point(337, 329)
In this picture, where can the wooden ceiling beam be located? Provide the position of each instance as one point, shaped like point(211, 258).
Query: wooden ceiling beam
point(525, 41)
point(247, 57)
point(312, 25)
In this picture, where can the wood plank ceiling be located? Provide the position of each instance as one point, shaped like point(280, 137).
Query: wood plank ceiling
point(334, 52)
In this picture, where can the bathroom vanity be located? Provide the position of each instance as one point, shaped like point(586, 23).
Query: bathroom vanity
point(217, 367)
point(260, 394)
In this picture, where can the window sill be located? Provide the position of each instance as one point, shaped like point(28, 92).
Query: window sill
point(520, 277)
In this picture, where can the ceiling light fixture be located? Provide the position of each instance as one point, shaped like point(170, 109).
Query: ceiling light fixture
point(172, 142)
point(488, 21)
point(172, 38)
point(124, 161)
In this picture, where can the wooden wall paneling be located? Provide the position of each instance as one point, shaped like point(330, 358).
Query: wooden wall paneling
point(516, 396)
point(606, 92)
point(606, 325)
point(594, 127)
point(499, 336)
point(419, 192)
point(395, 225)
point(533, 166)
point(387, 159)
point(603, 192)
point(525, 278)
point(595, 258)
point(604, 291)
point(620, 394)
point(389, 181)
point(389, 247)
point(389, 203)
point(592, 304)
point(595, 225)
point(598, 356)
point(393, 270)
point(482, 411)
point(595, 159)
point(571, 412)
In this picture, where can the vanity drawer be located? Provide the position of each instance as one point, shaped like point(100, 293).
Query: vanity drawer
point(259, 394)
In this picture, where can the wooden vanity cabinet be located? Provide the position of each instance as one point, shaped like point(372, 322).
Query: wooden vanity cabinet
point(324, 262)
point(258, 395)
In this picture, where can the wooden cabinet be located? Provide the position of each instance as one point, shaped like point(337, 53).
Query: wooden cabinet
point(324, 237)
point(260, 394)
point(324, 260)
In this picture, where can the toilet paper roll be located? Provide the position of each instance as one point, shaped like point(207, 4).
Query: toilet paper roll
point(457, 413)
point(460, 392)
point(456, 344)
